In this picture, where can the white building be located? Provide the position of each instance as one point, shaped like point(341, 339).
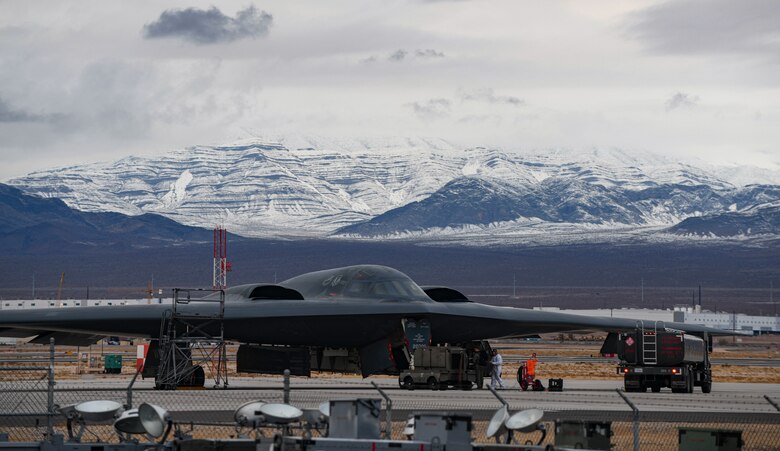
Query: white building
point(728, 321)
point(688, 315)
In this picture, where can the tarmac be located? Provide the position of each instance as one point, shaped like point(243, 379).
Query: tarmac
point(577, 395)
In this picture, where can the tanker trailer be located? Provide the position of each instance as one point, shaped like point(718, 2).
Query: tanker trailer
point(659, 359)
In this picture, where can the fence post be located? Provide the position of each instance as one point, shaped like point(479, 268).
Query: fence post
point(50, 395)
point(388, 414)
point(636, 418)
point(129, 404)
point(287, 386)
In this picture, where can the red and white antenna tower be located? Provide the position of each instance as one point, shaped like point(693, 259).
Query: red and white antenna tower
point(221, 265)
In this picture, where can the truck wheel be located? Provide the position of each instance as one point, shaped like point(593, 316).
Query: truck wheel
point(690, 383)
point(656, 388)
point(408, 383)
point(433, 384)
point(706, 386)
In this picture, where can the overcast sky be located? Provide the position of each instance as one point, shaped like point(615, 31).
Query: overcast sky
point(94, 81)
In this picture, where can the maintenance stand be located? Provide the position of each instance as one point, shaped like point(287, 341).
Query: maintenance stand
point(192, 337)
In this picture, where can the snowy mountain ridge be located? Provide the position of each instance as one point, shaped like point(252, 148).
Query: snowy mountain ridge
point(312, 186)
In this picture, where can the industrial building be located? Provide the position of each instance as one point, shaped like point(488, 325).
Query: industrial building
point(688, 315)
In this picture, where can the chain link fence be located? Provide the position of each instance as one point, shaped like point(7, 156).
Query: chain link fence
point(30, 402)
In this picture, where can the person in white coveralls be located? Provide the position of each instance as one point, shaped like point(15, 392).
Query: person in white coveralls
point(495, 373)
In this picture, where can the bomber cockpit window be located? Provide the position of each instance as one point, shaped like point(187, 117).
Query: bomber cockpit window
point(366, 282)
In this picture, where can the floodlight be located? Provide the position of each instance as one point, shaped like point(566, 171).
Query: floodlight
point(153, 418)
point(497, 422)
point(324, 408)
point(281, 413)
point(248, 413)
point(98, 411)
point(129, 423)
point(409, 428)
point(524, 421)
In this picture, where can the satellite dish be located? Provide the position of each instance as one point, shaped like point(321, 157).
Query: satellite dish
point(281, 413)
point(153, 418)
point(98, 411)
point(129, 423)
point(497, 422)
point(248, 413)
point(524, 421)
point(325, 408)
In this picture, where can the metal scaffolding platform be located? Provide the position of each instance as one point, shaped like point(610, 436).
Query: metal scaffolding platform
point(192, 340)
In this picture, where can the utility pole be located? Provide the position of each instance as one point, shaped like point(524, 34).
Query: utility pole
point(699, 296)
point(643, 291)
point(771, 297)
point(33, 287)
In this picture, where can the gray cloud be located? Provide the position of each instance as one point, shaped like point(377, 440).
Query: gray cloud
point(405, 55)
point(209, 26)
point(487, 95)
point(9, 114)
point(432, 109)
point(398, 55)
point(681, 100)
point(709, 27)
point(428, 53)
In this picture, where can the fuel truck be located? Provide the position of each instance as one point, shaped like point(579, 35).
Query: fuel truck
point(660, 358)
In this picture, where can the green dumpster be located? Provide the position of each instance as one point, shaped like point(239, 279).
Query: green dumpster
point(583, 434)
point(695, 439)
point(112, 364)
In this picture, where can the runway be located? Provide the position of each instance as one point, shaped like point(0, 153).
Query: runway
point(578, 395)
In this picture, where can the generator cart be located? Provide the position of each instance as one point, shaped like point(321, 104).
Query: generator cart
point(442, 367)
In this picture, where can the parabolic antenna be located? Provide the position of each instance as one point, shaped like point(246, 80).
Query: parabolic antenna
point(153, 418)
point(129, 423)
point(525, 420)
point(325, 408)
point(98, 411)
point(248, 413)
point(281, 413)
point(497, 422)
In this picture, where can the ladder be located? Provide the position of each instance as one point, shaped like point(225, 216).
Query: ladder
point(650, 341)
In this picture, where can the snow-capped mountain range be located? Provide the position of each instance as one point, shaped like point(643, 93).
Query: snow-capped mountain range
point(305, 186)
